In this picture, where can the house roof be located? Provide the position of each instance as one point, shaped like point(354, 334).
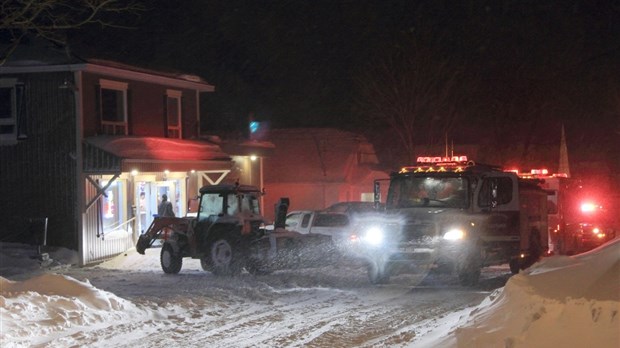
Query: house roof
point(318, 155)
point(40, 55)
point(248, 148)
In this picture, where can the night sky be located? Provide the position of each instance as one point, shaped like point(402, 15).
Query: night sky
point(521, 68)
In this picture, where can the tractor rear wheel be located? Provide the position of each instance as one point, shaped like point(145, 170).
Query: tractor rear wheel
point(224, 257)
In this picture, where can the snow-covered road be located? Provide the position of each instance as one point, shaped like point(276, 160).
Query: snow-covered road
point(320, 307)
point(561, 301)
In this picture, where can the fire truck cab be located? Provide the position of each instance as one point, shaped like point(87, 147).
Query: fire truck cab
point(457, 216)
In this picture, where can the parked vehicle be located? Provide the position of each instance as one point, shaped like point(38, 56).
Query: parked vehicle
point(227, 234)
point(354, 207)
point(337, 227)
point(449, 214)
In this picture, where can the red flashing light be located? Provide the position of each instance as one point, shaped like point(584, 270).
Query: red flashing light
point(588, 207)
point(537, 173)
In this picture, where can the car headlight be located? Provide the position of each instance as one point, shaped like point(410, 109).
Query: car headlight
point(373, 236)
point(454, 234)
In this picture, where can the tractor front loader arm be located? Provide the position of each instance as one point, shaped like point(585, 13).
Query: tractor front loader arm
point(159, 229)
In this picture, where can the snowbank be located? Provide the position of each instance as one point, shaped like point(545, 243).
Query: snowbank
point(34, 311)
point(559, 302)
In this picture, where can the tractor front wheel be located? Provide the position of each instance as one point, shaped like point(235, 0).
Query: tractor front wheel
point(170, 261)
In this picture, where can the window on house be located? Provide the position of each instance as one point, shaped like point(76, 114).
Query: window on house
point(113, 208)
point(11, 108)
point(173, 113)
point(113, 107)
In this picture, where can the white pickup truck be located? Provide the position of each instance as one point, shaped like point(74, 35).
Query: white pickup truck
point(336, 225)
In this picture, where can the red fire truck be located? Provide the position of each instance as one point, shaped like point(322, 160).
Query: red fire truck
point(578, 218)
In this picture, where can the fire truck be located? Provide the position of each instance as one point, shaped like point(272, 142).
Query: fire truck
point(578, 218)
point(451, 214)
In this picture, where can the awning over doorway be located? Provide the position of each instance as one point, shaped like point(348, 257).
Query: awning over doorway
point(113, 154)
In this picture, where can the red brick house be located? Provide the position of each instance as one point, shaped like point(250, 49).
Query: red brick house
point(92, 146)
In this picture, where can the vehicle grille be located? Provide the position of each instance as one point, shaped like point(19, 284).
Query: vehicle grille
point(413, 233)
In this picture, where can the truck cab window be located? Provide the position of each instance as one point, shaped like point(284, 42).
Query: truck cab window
point(233, 203)
point(495, 191)
point(306, 220)
point(211, 204)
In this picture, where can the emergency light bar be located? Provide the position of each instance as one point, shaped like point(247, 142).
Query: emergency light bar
point(427, 164)
point(539, 173)
point(427, 159)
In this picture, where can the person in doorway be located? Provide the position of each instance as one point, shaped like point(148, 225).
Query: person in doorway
point(165, 207)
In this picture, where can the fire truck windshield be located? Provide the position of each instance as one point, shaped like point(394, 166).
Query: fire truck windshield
point(409, 191)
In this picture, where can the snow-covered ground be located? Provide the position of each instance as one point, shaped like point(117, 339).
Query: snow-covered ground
point(559, 302)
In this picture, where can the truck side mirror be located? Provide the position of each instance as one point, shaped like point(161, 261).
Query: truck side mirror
point(377, 193)
point(281, 208)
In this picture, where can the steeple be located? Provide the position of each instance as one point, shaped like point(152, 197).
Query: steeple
point(563, 166)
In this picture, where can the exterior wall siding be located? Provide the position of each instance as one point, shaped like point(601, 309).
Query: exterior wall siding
point(96, 246)
point(38, 174)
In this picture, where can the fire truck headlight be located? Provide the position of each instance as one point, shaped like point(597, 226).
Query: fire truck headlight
point(454, 234)
point(596, 230)
point(373, 236)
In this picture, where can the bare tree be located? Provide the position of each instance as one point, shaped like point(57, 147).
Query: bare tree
point(52, 18)
point(417, 91)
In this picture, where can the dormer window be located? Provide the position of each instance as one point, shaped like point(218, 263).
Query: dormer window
point(113, 107)
point(173, 114)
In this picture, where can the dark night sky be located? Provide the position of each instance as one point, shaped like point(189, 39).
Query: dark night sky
point(296, 63)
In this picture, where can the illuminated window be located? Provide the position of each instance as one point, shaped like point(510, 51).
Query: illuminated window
point(112, 211)
point(173, 113)
point(11, 108)
point(113, 107)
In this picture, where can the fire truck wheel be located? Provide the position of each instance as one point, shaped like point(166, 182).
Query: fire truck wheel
point(170, 261)
point(535, 250)
point(224, 257)
point(378, 273)
point(515, 266)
